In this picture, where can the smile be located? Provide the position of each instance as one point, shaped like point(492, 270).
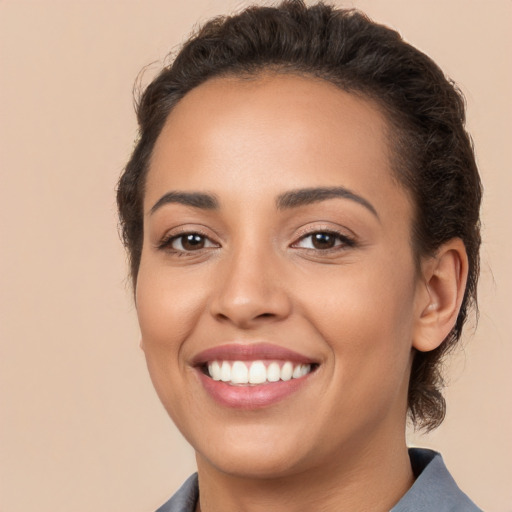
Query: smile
point(252, 376)
point(238, 373)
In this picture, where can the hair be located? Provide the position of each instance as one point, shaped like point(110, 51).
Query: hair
point(432, 154)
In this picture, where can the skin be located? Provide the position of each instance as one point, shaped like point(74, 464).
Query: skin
point(358, 308)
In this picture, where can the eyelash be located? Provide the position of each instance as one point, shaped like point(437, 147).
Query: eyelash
point(344, 242)
point(167, 242)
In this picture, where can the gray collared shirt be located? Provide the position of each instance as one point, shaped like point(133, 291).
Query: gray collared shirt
point(433, 491)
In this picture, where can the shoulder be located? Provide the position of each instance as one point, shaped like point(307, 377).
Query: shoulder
point(434, 488)
point(185, 498)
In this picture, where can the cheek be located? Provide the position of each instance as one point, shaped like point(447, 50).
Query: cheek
point(168, 307)
point(367, 324)
point(366, 315)
point(360, 296)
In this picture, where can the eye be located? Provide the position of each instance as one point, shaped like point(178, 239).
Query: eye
point(323, 240)
point(188, 242)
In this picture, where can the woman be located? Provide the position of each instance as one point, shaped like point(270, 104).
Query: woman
point(301, 213)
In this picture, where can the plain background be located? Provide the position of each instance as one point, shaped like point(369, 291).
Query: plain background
point(81, 429)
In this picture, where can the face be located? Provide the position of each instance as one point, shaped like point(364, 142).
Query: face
point(277, 287)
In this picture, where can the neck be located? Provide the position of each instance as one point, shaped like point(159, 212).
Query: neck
point(374, 478)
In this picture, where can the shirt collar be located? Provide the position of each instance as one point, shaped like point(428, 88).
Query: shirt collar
point(434, 489)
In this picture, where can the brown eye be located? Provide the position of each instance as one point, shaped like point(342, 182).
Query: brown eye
point(323, 240)
point(189, 242)
point(192, 242)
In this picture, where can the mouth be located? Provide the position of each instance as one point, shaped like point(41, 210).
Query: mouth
point(254, 373)
point(252, 376)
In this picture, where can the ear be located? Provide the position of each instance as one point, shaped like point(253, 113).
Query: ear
point(440, 293)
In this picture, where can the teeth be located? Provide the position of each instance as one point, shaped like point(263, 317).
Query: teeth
point(287, 371)
point(273, 372)
point(215, 372)
point(225, 372)
point(304, 369)
point(256, 372)
point(239, 373)
point(297, 372)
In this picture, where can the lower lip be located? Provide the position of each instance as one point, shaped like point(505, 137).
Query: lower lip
point(250, 397)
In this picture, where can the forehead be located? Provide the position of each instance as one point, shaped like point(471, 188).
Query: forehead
point(270, 132)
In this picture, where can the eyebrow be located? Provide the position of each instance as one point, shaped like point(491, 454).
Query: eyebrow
point(194, 199)
point(291, 199)
point(305, 196)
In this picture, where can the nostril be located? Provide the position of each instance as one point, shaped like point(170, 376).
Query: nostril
point(262, 316)
point(245, 302)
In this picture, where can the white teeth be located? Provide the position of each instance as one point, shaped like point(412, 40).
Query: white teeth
point(255, 372)
point(297, 372)
point(273, 372)
point(239, 373)
point(225, 372)
point(287, 371)
point(214, 369)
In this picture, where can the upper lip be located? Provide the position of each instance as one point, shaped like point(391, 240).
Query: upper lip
point(249, 352)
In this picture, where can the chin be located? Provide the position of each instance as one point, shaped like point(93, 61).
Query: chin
point(255, 455)
point(254, 465)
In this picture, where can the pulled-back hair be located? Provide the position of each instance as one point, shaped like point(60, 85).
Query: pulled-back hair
point(432, 153)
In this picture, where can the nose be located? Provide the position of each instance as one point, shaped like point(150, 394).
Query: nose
point(250, 290)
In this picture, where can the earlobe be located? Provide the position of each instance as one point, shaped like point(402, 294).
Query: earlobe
point(440, 295)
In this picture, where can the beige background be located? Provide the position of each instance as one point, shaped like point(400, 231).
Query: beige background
point(81, 429)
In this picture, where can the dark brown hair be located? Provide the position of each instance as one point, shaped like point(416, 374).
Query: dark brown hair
point(432, 152)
